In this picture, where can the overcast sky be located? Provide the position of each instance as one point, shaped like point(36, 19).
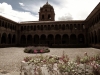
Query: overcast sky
point(27, 10)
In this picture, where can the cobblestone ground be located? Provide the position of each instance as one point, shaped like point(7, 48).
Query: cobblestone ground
point(10, 58)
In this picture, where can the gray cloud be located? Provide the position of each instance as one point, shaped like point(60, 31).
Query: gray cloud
point(41, 2)
point(66, 17)
point(32, 6)
point(7, 11)
point(60, 7)
point(15, 4)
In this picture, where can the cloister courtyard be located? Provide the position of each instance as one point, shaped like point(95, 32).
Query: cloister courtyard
point(10, 58)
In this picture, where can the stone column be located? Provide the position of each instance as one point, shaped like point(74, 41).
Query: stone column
point(69, 39)
point(18, 34)
point(76, 39)
point(86, 41)
point(33, 40)
point(11, 39)
point(26, 39)
point(0, 38)
point(0, 24)
point(98, 36)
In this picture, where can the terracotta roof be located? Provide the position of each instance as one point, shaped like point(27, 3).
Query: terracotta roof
point(7, 19)
point(29, 22)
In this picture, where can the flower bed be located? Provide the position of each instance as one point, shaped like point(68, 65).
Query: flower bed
point(54, 65)
point(32, 49)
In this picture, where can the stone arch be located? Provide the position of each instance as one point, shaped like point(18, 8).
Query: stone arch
point(5, 24)
point(49, 16)
point(49, 27)
point(52, 27)
point(99, 16)
point(95, 37)
point(14, 39)
point(65, 39)
point(31, 27)
point(75, 26)
point(43, 39)
point(24, 27)
point(42, 16)
point(34, 28)
point(98, 33)
point(9, 39)
point(0, 38)
point(29, 39)
point(67, 26)
point(71, 27)
point(36, 39)
point(23, 39)
point(50, 39)
point(59, 26)
point(56, 27)
point(21, 28)
point(63, 27)
point(9, 25)
point(41, 27)
point(73, 39)
point(2, 23)
point(13, 27)
point(4, 38)
point(81, 26)
point(81, 39)
point(57, 39)
point(45, 27)
point(27, 28)
point(78, 27)
point(38, 27)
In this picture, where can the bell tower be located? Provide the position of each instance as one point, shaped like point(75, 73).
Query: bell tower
point(46, 13)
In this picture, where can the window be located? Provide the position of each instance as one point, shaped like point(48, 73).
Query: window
point(42, 16)
point(49, 16)
point(6, 25)
point(45, 9)
point(79, 26)
point(0, 22)
point(34, 28)
point(21, 28)
point(71, 26)
point(63, 27)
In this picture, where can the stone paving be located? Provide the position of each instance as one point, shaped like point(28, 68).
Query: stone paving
point(10, 58)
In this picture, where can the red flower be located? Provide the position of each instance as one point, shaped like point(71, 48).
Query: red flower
point(41, 51)
point(26, 59)
point(44, 60)
point(35, 51)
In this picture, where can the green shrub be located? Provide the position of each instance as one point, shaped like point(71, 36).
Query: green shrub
point(33, 49)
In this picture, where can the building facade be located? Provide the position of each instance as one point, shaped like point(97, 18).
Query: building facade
point(48, 32)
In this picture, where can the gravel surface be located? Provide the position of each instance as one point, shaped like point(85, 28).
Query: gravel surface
point(10, 58)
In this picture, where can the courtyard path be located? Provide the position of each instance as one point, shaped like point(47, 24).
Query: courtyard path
point(10, 58)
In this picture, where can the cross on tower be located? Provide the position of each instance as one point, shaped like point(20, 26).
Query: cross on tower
point(47, 1)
